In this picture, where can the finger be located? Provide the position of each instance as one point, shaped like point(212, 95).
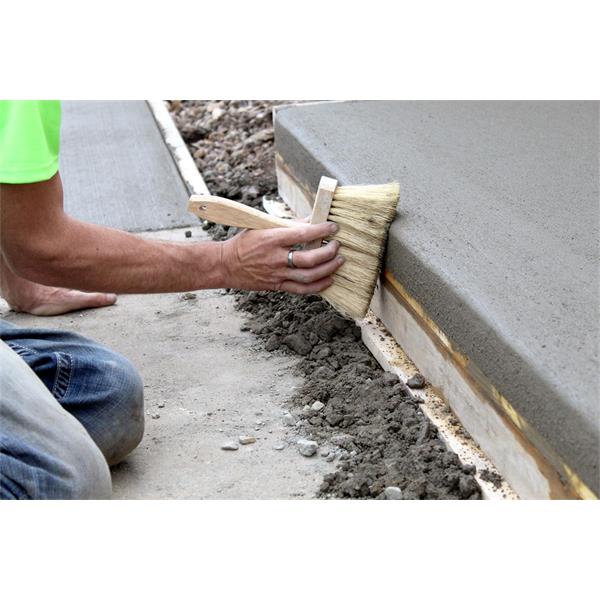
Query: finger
point(305, 259)
point(304, 233)
point(316, 273)
point(306, 288)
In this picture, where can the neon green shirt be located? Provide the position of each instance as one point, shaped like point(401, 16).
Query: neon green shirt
point(29, 140)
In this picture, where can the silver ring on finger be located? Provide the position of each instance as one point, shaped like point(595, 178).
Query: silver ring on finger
point(290, 261)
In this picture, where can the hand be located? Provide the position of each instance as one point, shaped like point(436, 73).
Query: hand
point(257, 260)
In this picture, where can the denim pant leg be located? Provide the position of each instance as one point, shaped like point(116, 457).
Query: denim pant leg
point(45, 453)
point(98, 386)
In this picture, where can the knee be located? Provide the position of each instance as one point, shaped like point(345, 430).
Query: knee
point(123, 422)
point(87, 474)
point(72, 470)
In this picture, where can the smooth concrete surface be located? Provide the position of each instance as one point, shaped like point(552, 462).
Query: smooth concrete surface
point(496, 237)
point(116, 168)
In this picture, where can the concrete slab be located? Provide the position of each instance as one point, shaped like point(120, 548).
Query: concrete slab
point(116, 168)
point(496, 237)
point(206, 382)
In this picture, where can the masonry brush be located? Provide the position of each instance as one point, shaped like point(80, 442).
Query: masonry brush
point(362, 212)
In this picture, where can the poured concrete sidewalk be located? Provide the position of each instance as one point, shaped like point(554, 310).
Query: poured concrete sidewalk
point(496, 237)
point(205, 382)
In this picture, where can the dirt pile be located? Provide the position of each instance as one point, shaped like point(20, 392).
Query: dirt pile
point(362, 417)
point(368, 416)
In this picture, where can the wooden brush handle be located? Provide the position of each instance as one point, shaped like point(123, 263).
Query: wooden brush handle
point(228, 212)
point(321, 207)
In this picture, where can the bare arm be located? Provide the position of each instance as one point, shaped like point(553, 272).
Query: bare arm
point(43, 244)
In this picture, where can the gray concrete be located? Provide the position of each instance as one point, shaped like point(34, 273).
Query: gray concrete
point(117, 170)
point(496, 236)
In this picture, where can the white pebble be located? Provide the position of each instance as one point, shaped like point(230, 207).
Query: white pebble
point(307, 447)
point(289, 419)
point(393, 493)
point(230, 445)
point(246, 439)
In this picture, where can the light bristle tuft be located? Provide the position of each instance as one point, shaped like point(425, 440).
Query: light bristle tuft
point(364, 214)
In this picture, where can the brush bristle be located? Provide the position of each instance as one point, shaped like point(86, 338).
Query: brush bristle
point(364, 214)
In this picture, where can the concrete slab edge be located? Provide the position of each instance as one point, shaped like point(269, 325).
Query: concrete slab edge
point(184, 161)
point(493, 423)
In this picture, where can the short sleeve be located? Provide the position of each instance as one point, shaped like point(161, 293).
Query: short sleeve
point(29, 140)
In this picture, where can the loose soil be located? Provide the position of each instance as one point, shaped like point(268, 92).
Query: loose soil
point(370, 424)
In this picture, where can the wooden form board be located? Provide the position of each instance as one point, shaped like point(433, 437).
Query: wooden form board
point(526, 461)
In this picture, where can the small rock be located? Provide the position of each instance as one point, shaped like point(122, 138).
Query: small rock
point(317, 405)
point(306, 409)
point(217, 113)
point(161, 405)
point(289, 419)
point(417, 381)
point(325, 452)
point(188, 296)
point(279, 446)
point(246, 439)
point(393, 493)
point(155, 416)
point(230, 445)
point(307, 447)
point(188, 233)
point(330, 458)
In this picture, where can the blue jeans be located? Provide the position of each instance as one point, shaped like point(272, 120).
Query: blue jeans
point(68, 408)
